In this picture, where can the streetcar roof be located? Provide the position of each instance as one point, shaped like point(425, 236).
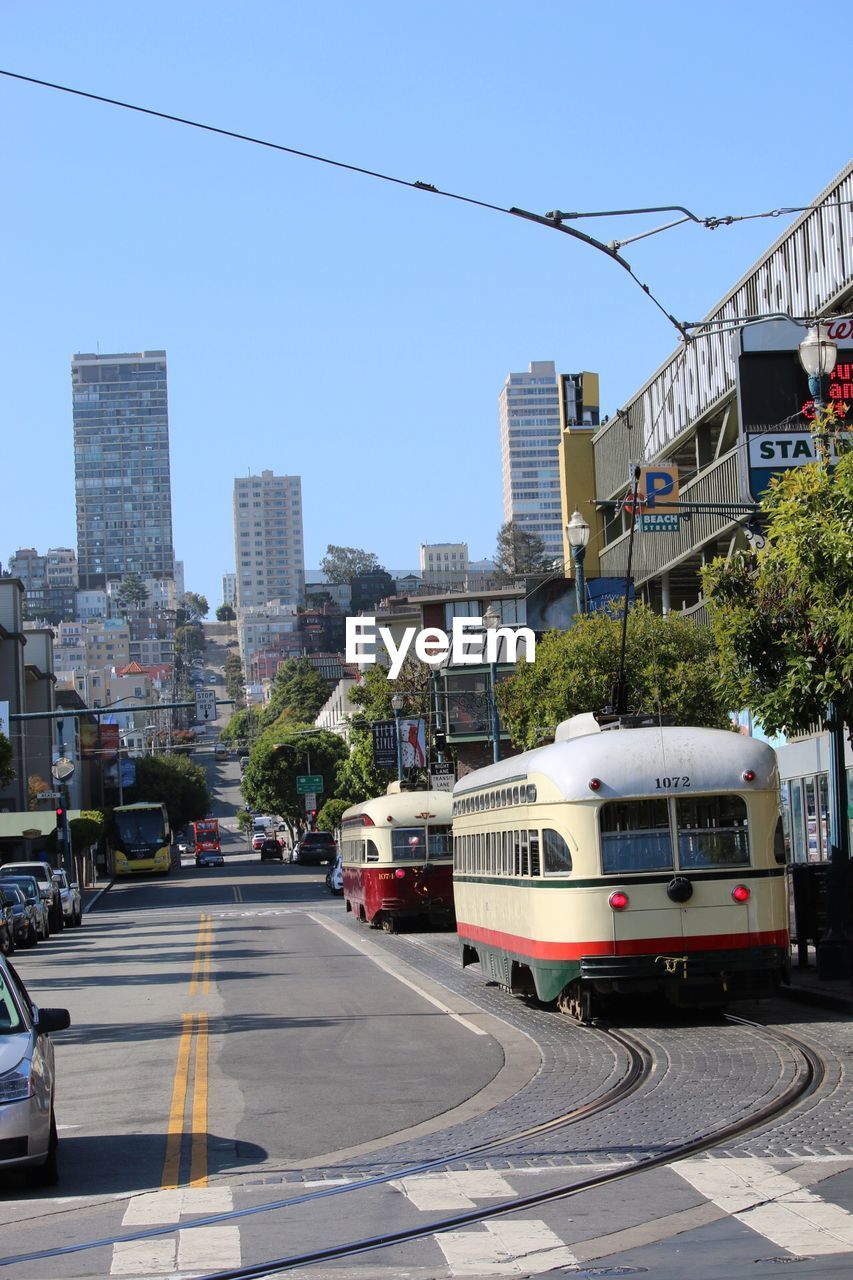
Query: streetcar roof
point(628, 762)
point(405, 808)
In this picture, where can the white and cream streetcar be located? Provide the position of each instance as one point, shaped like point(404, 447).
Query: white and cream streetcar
point(624, 859)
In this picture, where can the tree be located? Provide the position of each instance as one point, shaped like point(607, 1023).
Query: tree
point(87, 829)
point(329, 817)
point(298, 692)
point(783, 617)
point(269, 783)
point(243, 728)
point(225, 613)
point(670, 663)
point(234, 682)
point(7, 772)
point(519, 552)
point(189, 641)
point(193, 606)
point(341, 564)
point(132, 592)
point(36, 788)
point(174, 781)
point(357, 777)
point(374, 692)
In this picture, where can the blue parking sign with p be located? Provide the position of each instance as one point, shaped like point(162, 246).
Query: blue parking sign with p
point(660, 486)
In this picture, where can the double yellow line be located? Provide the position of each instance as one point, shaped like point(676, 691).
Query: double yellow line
point(200, 979)
point(192, 1061)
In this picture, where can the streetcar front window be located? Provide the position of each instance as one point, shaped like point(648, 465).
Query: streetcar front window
point(440, 842)
point(407, 844)
point(712, 831)
point(558, 856)
point(635, 836)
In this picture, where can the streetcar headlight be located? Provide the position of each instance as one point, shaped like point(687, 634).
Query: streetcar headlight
point(618, 900)
point(740, 893)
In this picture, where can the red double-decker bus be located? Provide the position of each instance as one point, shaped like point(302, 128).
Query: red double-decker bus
point(206, 836)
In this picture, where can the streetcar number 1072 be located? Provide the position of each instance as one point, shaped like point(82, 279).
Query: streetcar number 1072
point(669, 784)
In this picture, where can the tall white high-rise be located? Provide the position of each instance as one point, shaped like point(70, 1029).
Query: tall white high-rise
point(269, 558)
point(530, 445)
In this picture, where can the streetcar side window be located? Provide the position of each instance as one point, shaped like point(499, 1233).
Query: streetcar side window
point(558, 857)
point(372, 853)
point(531, 794)
point(712, 831)
point(779, 844)
point(635, 836)
point(533, 841)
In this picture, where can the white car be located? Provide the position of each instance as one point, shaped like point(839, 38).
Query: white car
point(28, 1136)
point(72, 906)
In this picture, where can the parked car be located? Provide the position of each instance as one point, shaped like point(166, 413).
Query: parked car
point(271, 850)
point(335, 877)
point(209, 858)
point(211, 679)
point(220, 751)
point(72, 904)
point(47, 888)
point(258, 839)
point(7, 925)
point(30, 889)
point(25, 915)
point(28, 1136)
point(316, 847)
point(244, 762)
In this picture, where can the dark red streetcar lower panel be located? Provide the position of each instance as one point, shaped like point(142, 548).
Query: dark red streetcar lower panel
point(400, 892)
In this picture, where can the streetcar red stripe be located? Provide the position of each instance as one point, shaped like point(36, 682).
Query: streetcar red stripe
point(539, 950)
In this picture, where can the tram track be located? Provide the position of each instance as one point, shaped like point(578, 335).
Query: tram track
point(641, 1065)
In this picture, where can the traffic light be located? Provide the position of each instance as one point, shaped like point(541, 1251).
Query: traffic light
point(60, 826)
point(60, 815)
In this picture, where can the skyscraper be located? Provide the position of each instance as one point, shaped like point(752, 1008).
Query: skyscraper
point(530, 445)
point(268, 539)
point(121, 467)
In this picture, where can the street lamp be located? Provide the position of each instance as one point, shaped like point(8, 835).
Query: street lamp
point(577, 532)
point(492, 620)
point(818, 354)
point(397, 701)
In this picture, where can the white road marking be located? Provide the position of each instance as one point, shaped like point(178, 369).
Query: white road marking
point(380, 964)
point(170, 1205)
point(455, 1190)
point(506, 1248)
point(143, 1257)
point(209, 1249)
point(772, 1204)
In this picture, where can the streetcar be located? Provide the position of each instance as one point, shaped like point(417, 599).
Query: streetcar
point(625, 857)
point(139, 840)
point(397, 858)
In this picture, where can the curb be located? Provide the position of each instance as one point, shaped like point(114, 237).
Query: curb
point(88, 907)
point(820, 999)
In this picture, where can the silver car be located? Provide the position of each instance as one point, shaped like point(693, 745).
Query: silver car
point(28, 1136)
point(72, 905)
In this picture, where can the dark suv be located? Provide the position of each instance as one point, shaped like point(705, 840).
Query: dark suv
point(317, 847)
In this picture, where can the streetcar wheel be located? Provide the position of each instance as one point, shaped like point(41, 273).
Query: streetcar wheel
point(389, 924)
point(576, 1001)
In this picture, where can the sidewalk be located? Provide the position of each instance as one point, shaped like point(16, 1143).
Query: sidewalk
point(92, 894)
point(807, 988)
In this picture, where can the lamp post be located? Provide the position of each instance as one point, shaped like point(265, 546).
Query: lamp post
point(397, 701)
point(492, 620)
point(577, 532)
point(818, 354)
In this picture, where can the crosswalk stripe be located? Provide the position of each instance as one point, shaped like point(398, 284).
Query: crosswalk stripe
point(143, 1257)
point(209, 1248)
point(454, 1190)
point(772, 1204)
point(506, 1248)
point(171, 1205)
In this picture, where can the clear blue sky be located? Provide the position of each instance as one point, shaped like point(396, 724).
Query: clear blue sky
point(324, 324)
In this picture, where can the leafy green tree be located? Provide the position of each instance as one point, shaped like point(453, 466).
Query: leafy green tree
point(174, 781)
point(132, 592)
point(341, 564)
point(243, 729)
point(225, 613)
point(234, 682)
point(7, 772)
point(269, 783)
point(87, 829)
point(189, 641)
point(357, 777)
point(519, 551)
point(298, 692)
point(670, 663)
point(783, 617)
point(329, 817)
point(374, 692)
point(193, 606)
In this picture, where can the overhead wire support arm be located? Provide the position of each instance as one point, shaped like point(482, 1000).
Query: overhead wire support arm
point(553, 221)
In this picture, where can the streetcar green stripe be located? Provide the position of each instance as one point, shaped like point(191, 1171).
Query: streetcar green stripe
point(564, 882)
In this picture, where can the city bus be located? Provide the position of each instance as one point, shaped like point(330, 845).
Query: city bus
point(140, 840)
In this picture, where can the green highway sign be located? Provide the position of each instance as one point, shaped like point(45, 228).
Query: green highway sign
point(308, 782)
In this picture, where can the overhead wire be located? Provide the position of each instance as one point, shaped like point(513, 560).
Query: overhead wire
point(555, 220)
